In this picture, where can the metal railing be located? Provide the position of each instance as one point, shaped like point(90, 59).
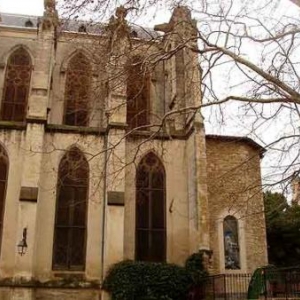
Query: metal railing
point(270, 283)
point(223, 286)
point(281, 283)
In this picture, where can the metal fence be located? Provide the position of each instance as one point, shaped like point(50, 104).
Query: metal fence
point(223, 286)
point(281, 283)
point(269, 283)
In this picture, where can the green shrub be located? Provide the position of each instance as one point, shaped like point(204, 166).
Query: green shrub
point(134, 280)
point(195, 268)
point(129, 280)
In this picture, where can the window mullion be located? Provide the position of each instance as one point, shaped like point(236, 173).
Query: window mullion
point(70, 226)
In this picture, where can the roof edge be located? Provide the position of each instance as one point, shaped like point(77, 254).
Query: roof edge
point(242, 139)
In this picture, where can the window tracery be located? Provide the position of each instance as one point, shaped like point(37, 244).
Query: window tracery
point(138, 94)
point(150, 210)
point(77, 90)
point(16, 86)
point(71, 209)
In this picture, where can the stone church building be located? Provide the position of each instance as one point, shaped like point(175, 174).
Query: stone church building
point(104, 157)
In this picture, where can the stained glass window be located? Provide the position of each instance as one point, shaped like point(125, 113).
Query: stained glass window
point(231, 243)
point(150, 210)
point(3, 182)
point(71, 210)
point(16, 86)
point(137, 94)
point(77, 90)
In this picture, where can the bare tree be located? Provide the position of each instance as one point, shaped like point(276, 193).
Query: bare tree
point(248, 53)
point(248, 75)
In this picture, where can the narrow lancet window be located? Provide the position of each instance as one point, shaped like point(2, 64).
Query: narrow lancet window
point(16, 86)
point(138, 87)
point(77, 91)
point(231, 243)
point(71, 209)
point(150, 210)
point(3, 183)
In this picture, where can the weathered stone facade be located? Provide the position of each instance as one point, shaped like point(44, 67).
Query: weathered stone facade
point(206, 177)
point(235, 189)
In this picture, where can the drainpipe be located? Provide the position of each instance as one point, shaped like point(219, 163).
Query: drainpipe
point(105, 147)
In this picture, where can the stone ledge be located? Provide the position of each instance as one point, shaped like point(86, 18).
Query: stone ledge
point(162, 135)
point(117, 125)
point(36, 120)
point(74, 129)
point(65, 283)
point(12, 125)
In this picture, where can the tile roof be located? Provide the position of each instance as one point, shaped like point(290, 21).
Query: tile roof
point(14, 20)
point(242, 139)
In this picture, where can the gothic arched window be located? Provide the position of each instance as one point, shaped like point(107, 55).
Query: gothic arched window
point(71, 212)
point(231, 243)
point(150, 210)
point(16, 86)
point(138, 88)
point(77, 90)
point(3, 183)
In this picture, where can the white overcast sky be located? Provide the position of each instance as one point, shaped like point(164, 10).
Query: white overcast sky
point(36, 8)
point(26, 7)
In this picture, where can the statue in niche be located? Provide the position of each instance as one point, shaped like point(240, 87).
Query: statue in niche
point(231, 252)
point(231, 245)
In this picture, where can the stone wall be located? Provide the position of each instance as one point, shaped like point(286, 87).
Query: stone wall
point(21, 293)
point(234, 187)
point(174, 156)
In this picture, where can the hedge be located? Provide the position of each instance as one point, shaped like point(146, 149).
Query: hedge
point(133, 280)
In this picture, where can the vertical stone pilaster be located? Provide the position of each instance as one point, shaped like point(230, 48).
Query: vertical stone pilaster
point(34, 140)
point(27, 204)
point(201, 188)
point(115, 190)
point(189, 85)
point(118, 43)
point(184, 80)
point(183, 68)
point(43, 66)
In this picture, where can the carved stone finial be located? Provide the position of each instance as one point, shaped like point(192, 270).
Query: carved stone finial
point(121, 13)
point(50, 18)
point(117, 26)
point(49, 5)
point(182, 13)
point(117, 21)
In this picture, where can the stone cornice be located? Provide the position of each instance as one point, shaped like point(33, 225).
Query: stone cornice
point(10, 125)
point(74, 129)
